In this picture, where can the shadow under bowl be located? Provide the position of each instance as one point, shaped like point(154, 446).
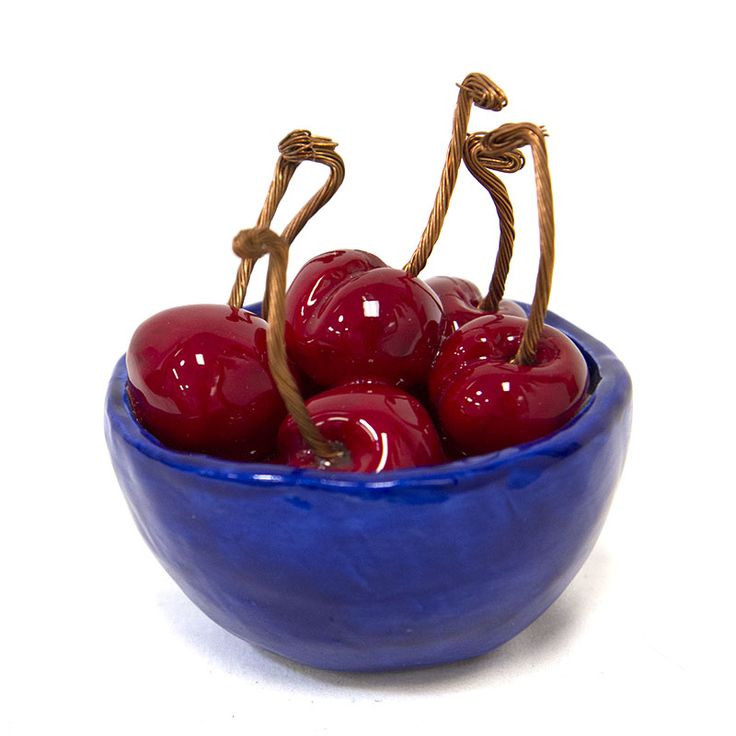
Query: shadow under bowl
point(360, 572)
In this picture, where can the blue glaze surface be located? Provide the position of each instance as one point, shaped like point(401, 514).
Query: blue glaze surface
point(375, 572)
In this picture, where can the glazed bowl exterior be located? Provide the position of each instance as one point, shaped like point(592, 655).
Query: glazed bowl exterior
point(377, 572)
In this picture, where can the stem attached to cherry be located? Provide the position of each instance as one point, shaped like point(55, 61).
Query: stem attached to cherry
point(475, 89)
point(251, 245)
point(297, 147)
point(481, 165)
point(504, 140)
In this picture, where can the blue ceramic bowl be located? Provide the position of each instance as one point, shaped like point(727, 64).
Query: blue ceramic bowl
point(376, 572)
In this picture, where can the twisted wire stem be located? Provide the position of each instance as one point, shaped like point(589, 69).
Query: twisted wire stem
point(504, 140)
point(475, 89)
point(251, 245)
point(282, 176)
point(481, 165)
point(297, 147)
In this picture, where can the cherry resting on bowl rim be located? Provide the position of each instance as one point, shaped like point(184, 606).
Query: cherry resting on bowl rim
point(460, 299)
point(381, 427)
point(198, 380)
point(485, 401)
point(349, 316)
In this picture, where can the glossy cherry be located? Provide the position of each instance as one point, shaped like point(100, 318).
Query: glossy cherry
point(349, 316)
point(381, 426)
point(486, 402)
point(460, 299)
point(198, 380)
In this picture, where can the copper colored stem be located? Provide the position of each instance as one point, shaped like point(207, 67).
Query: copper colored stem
point(250, 245)
point(479, 90)
point(481, 165)
point(506, 139)
point(295, 148)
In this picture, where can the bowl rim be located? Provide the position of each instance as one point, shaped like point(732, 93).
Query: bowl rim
point(609, 397)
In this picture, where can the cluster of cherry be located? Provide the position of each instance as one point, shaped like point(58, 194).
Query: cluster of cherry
point(397, 372)
point(401, 372)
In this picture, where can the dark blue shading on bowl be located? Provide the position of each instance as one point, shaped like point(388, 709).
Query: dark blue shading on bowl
point(377, 572)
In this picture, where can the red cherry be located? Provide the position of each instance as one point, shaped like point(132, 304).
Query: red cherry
point(348, 316)
point(485, 402)
point(382, 427)
point(460, 300)
point(198, 380)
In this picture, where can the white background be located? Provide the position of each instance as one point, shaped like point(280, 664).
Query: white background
point(137, 138)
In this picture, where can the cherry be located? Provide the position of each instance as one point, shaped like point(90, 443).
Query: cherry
point(381, 426)
point(198, 380)
point(460, 300)
point(350, 316)
point(486, 402)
